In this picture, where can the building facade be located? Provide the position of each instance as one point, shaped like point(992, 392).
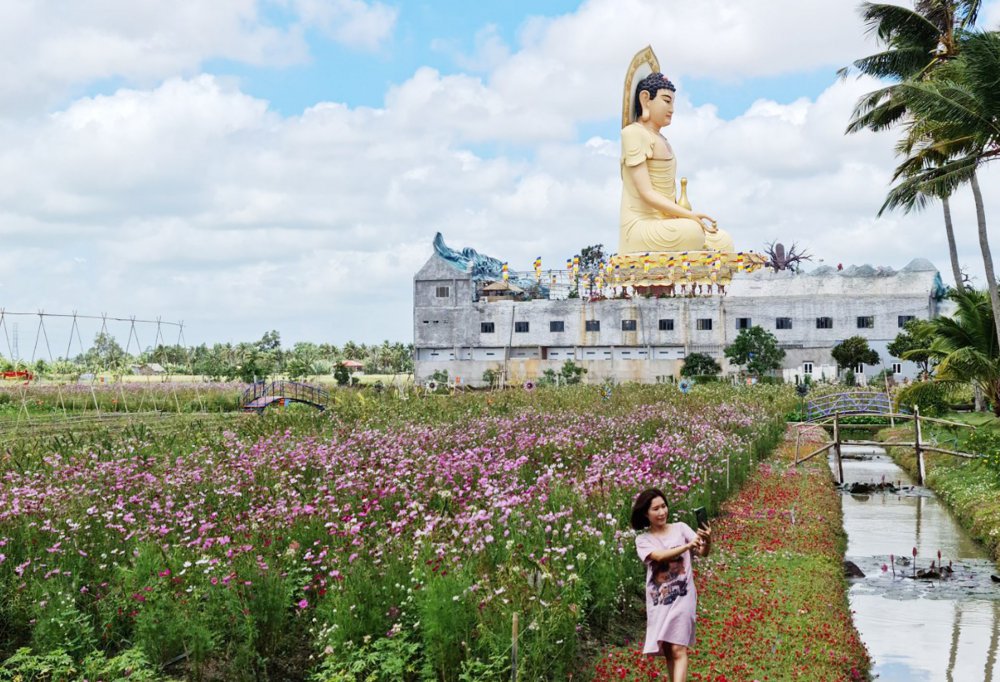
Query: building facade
point(646, 339)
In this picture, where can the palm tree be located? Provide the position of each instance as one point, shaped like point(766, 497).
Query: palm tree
point(917, 41)
point(954, 129)
point(967, 346)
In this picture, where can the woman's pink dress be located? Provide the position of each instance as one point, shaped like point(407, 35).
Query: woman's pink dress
point(671, 599)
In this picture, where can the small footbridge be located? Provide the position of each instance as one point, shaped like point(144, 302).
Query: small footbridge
point(873, 403)
point(826, 411)
point(262, 395)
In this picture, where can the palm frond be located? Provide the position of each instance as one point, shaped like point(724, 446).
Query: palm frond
point(892, 22)
point(915, 191)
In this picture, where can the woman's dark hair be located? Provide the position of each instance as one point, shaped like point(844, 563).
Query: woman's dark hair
point(652, 84)
point(641, 506)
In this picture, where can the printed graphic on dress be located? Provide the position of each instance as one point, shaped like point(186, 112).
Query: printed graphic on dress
point(668, 581)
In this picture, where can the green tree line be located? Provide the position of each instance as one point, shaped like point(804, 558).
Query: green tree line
point(246, 361)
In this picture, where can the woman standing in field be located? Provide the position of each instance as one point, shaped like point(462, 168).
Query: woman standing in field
point(671, 599)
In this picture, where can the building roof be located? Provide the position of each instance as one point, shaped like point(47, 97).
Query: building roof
point(503, 286)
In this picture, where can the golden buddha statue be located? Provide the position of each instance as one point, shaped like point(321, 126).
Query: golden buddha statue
point(652, 219)
point(662, 241)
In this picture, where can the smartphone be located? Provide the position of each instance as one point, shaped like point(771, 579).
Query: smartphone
point(701, 517)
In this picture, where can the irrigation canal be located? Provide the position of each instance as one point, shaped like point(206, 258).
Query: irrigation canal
point(917, 629)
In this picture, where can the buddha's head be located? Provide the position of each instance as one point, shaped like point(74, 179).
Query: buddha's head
point(654, 99)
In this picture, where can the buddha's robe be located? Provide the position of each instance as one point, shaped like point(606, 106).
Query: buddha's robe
point(643, 227)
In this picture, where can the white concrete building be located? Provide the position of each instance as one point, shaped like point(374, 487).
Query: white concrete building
point(646, 340)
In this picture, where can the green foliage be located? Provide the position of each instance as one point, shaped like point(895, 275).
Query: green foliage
point(52, 666)
point(569, 374)
point(700, 365)
point(756, 349)
point(341, 374)
point(852, 352)
point(448, 618)
point(491, 376)
point(913, 343)
point(986, 442)
point(967, 346)
point(60, 624)
point(104, 355)
point(930, 396)
point(386, 659)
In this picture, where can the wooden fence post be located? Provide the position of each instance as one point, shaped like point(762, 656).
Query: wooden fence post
point(513, 650)
point(920, 450)
point(836, 448)
point(798, 435)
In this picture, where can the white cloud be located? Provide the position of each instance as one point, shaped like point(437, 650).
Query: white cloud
point(489, 50)
point(51, 49)
point(350, 22)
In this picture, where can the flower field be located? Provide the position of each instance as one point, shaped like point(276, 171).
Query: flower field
point(388, 540)
point(142, 394)
point(772, 600)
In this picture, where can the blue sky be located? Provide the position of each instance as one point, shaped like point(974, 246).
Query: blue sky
point(246, 165)
point(430, 33)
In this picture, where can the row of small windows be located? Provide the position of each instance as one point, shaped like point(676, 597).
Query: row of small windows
point(701, 324)
point(556, 326)
point(897, 368)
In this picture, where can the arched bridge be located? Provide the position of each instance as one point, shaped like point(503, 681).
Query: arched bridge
point(851, 402)
point(263, 394)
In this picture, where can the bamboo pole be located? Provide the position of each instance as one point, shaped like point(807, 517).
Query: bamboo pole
point(917, 445)
point(798, 435)
point(513, 649)
point(817, 452)
point(836, 449)
point(967, 455)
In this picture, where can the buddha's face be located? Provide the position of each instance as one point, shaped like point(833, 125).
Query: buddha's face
point(661, 107)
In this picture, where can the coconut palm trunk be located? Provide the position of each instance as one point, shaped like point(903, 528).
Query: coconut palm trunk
point(952, 249)
point(984, 244)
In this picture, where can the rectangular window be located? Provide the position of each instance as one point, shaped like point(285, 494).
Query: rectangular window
point(897, 368)
point(443, 292)
point(592, 325)
point(866, 322)
point(743, 323)
point(824, 323)
point(903, 319)
point(783, 323)
point(628, 325)
point(557, 326)
point(860, 369)
point(666, 325)
point(520, 327)
point(807, 368)
point(704, 324)
point(486, 328)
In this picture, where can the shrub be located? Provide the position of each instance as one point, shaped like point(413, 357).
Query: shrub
point(986, 443)
point(930, 397)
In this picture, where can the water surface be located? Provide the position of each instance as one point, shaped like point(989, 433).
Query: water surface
point(917, 629)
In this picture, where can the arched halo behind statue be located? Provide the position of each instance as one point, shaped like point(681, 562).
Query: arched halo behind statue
point(665, 248)
point(643, 63)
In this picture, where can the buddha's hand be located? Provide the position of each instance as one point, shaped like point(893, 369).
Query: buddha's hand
point(707, 223)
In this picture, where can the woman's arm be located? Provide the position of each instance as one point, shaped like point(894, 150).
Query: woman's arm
point(673, 552)
point(644, 186)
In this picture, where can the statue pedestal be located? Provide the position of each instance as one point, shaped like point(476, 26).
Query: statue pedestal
point(686, 273)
